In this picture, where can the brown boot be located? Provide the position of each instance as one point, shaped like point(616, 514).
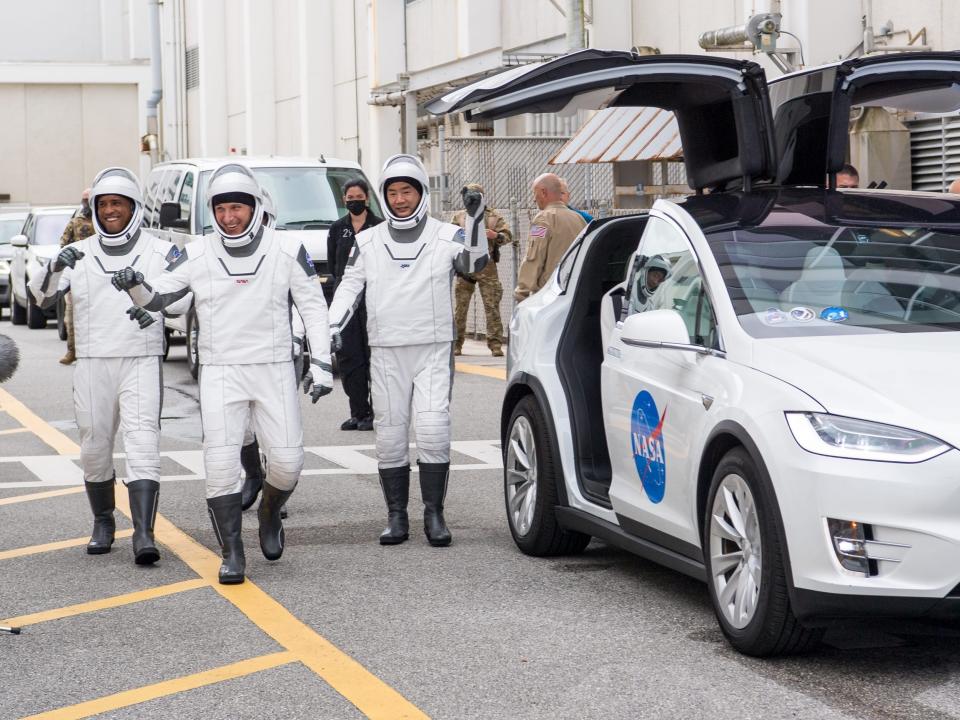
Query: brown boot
point(496, 351)
point(69, 358)
point(457, 350)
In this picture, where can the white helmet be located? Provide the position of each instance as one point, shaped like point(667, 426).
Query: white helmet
point(657, 262)
point(117, 181)
point(407, 168)
point(234, 178)
point(270, 208)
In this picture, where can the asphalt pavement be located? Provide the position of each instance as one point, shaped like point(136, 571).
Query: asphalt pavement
point(341, 627)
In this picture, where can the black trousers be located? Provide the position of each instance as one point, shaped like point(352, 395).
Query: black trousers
point(353, 361)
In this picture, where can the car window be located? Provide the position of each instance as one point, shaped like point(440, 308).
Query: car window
point(8, 228)
point(665, 274)
point(49, 228)
point(790, 281)
point(150, 203)
point(186, 199)
point(166, 194)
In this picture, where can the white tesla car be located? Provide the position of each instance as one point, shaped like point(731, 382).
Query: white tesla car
point(755, 386)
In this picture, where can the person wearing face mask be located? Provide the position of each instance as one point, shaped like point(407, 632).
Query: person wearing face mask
point(405, 266)
point(118, 378)
point(79, 227)
point(353, 359)
point(245, 280)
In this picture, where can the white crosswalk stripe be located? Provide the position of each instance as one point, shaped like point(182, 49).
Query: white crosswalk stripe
point(64, 470)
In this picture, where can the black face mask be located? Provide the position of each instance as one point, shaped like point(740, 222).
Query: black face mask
point(357, 207)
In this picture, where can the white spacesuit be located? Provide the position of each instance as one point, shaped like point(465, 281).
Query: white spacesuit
point(118, 376)
point(244, 283)
point(406, 265)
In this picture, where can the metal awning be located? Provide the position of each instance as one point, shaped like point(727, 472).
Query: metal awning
point(620, 134)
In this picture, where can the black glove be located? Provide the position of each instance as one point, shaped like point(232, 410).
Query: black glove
point(471, 200)
point(127, 278)
point(67, 258)
point(139, 315)
point(323, 385)
point(336, 340)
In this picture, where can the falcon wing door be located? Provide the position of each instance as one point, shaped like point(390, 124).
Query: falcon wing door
point(721, 105)
point(812, 108)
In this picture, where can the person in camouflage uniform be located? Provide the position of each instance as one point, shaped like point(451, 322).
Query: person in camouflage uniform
point(79, 227)
point(488, 280)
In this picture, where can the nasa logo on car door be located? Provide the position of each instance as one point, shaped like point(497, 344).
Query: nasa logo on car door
point(646, 439)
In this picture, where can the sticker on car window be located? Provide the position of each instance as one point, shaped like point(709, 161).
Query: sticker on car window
point(834, 314)
point(802, 314)
point(646, 439)
point(773, 316)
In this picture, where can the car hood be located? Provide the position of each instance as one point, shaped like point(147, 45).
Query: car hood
point(904, 379)
point(6, 251)
point(315, 241)
point(45, 252)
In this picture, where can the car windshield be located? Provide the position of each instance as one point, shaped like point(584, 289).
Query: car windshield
point(49, 228)
point(9, 227)
point(306, 197)
point(800, 281)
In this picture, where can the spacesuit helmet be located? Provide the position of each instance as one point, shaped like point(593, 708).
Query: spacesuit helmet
point(269, 209)
point(117, 181)
point(404, 168)
point(230, 183)
point(656, 263)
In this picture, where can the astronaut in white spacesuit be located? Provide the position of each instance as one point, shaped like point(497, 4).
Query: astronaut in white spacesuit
point(243, 281)
point(406, 265)
point(118, 379)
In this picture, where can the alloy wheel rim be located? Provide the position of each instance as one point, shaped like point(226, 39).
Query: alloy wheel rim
point(736, 560)
point(520, 476)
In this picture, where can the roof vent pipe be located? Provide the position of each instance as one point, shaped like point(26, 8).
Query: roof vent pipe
point(156, 78)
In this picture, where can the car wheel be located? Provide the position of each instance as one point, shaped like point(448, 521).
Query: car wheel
point(36, 320)
point(18, 315)
point(62, 318)
point(530, 477)
point(746, 573)
point(193, 344)
point(166, 342)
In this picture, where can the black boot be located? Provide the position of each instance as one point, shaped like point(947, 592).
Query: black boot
point(227, 517)
point(144, 497)
point(396, 491)
point(253, 469)
point(433, 489)
point(271, 527)
point(101, 500)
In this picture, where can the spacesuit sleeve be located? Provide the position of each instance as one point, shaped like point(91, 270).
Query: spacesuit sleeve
point(47, 285)
point(347, 296)
point(165, 290)
point(308, 297)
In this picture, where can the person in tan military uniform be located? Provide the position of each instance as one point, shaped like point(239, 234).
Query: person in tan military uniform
point(487, 280)
point(553, 231)
point(78, 228)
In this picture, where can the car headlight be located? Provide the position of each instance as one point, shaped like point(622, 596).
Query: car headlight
point(845, 437)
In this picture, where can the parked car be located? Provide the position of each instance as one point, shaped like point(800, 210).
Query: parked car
point(11, 223)
point(38, 242)
point(308, 194)
point(777, 416)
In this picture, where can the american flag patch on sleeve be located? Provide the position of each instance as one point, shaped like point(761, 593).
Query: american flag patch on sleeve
point(538, 231)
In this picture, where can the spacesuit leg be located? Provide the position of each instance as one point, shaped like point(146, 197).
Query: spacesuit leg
point(225, 411)
point(95, 406)
point(140, 399)
point(391, 384)
point(276, 413)
point(431, 402)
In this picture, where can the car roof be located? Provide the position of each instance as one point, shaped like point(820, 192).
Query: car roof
point(267, 161)
point(809, 206)
point(54, 210)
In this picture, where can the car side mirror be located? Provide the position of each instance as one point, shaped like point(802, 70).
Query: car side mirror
point(19, 241)
point(170, 217)
point(662, 329)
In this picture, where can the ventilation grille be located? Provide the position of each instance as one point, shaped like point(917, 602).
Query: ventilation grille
point(192, 67)
point(935, 152)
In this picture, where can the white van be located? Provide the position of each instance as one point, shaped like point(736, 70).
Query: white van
point(308, 194)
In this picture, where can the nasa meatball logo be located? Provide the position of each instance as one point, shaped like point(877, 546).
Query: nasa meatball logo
point(646, 439)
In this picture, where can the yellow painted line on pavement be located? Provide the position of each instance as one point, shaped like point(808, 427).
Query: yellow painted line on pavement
point(13, 431)
point(58, 545)
point(371, 695)
point(168, 687)
point(487, 371)
point(41, 495)
point(106, 603)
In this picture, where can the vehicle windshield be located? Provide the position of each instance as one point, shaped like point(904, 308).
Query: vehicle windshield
point(801, 281)
point(9, 227)
point(49, 228)
point(306, 197)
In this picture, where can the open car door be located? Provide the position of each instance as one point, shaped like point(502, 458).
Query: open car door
point(811, 109)
point(721, 105)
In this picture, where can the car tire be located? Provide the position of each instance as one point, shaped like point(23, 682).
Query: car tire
point(530, 484)
point(62, 318)
point(741, 514)
point(18, 315)
point(166, 342)
point(36, 320)
point(193, 344)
